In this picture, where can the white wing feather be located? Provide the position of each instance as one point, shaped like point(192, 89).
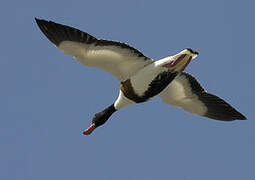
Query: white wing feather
point(179, 93)
point(120, 62)
point(119, 59)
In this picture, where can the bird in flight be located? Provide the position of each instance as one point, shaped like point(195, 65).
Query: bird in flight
point(141, 78)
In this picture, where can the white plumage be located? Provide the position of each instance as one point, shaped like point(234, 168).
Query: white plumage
point(179, 93)
point(120, 62)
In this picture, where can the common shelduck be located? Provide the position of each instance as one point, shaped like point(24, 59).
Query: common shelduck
point(141, 78)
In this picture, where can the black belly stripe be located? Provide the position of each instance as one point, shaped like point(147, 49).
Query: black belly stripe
point(128, 90)
point(158, 84)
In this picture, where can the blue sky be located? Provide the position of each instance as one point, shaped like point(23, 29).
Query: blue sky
point(48, 99)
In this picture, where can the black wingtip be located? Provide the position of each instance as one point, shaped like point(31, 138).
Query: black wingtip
point(48, 30)
point(58, 33)
point(219, 109)
point(237, 115)
point(37, 20)
point(241, 117)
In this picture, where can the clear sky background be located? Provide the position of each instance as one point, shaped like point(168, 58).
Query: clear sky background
point(47, 98)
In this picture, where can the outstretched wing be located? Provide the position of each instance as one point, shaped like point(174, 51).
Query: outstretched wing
point(119, 59)
point(185, 92)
